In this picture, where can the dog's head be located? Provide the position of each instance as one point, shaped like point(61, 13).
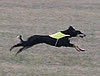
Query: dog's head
point(73, 33)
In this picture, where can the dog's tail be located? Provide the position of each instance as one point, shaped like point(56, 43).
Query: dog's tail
point(20, 37)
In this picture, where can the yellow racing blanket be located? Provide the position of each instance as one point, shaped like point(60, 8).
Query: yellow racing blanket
point(58, 35)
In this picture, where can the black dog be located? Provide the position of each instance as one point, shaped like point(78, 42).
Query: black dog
point(59, 39)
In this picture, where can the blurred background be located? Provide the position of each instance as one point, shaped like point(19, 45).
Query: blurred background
point(30, 17)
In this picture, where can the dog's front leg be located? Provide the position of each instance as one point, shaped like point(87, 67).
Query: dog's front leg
point(78, 49)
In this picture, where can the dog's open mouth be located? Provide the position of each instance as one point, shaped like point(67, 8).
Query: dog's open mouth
point(82, 35)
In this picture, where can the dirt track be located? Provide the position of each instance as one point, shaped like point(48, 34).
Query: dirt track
point(29, 17)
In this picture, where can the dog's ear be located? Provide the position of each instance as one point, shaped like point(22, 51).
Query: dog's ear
point(71, 28)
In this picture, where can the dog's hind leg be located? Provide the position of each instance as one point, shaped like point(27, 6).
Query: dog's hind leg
point(17, 45)
point(20, 50)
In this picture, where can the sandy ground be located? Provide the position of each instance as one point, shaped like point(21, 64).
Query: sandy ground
point(30, 17)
